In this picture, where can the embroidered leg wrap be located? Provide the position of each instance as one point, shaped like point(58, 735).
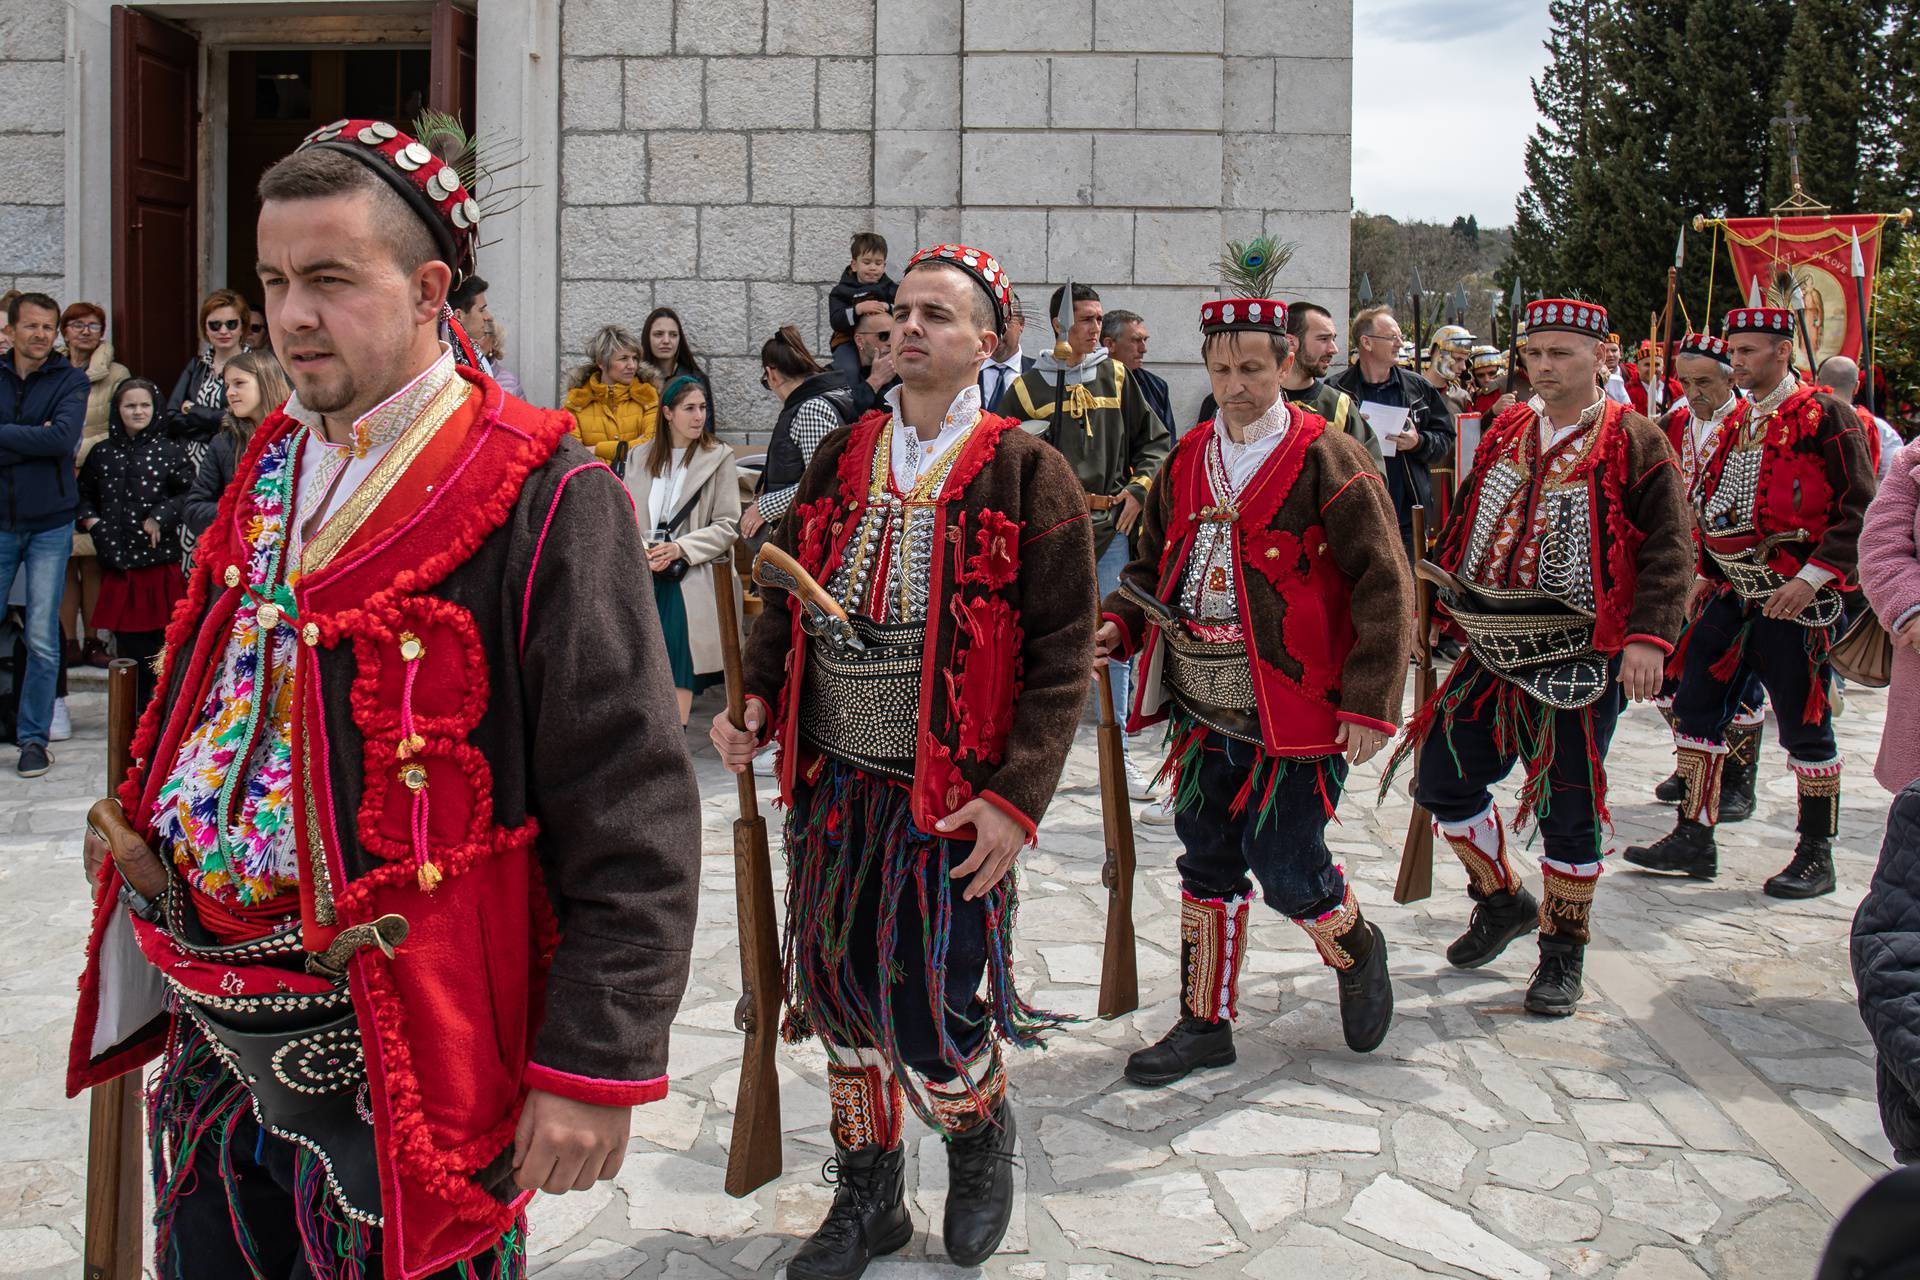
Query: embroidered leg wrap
point(1213, 945)
point(1700, 766)
point(971, 1097)
point(1567, 905)
point(1341, 934)
point(1819, 796)
point(865, 1097)
point(1481, 845)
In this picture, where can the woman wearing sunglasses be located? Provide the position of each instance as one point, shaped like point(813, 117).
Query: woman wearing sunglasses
point(198, 404)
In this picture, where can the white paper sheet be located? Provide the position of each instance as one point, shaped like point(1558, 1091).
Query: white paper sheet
point(1387, 421)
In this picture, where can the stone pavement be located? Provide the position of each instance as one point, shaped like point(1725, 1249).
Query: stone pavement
point(1706, 1114)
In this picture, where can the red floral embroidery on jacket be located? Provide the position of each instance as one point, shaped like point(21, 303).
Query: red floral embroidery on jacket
point(996, 561)
point(985, 679)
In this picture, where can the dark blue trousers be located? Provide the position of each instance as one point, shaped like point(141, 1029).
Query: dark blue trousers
point(1278, 838)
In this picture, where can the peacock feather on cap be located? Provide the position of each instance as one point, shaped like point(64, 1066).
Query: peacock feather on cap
point(1249, 268)
point(480, 162)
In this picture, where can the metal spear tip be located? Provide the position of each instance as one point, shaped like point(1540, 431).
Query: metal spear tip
point(1064, 316)
point(1418, 288)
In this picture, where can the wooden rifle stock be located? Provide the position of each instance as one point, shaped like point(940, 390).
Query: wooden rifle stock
point(1119, 976)
point(753, 1158)
point(1416, 854)
point(114, 1145)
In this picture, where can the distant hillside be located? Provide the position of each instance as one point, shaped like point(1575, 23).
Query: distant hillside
point(1386, 250)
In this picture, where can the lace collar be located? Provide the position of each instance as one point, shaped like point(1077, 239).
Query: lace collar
point(382, 424)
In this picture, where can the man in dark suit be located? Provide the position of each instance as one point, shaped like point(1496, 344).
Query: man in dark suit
point(1124, 333)
point(1008, 362)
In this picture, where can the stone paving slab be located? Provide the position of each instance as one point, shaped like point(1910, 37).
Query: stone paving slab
point(1475, 1142)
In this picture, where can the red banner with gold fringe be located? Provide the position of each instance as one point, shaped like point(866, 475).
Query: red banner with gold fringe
point(1818, 252)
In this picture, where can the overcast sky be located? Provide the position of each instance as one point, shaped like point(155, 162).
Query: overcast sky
point(1442, 106)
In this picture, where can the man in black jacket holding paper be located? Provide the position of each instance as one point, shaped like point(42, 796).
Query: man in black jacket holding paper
point(1426, 438)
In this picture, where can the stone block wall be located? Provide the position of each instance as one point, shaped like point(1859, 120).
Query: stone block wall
point(718, 154)
point(33, 40)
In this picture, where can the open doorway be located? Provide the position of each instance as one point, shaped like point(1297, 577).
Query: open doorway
point(202, 106)
point(277, 97)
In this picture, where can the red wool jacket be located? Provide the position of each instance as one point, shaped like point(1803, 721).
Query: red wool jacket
point(554, 951)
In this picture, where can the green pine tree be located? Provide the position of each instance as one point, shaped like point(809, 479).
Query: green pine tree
point(1832, 73)
point(1560, 149)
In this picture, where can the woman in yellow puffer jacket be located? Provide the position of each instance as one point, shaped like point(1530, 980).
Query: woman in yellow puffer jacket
point(615, 398)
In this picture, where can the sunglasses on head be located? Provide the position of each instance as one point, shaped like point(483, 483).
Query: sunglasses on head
point(221, 326)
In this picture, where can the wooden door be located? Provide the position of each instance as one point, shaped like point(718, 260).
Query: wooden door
point(156, 168)
point(456, 35)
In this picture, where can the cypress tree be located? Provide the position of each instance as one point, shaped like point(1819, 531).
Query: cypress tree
point(1832, 48)
point(1559, 148)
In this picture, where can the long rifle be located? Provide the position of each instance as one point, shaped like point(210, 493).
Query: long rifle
point(1119, 977)
point(1416, 854)
point(1663, 374)
point(753, 1158)
point(113, 1121)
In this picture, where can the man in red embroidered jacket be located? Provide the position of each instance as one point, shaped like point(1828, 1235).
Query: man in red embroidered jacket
point(1566, 566)
point(1781, 503)
point(381, 889)
point(1271, 605)
point(1705, 373)
point(916, 766)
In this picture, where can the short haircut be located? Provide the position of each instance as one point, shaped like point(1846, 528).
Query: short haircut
point(1363, 323)
point(983, 311)
point(865, 242)
point(608, 341)
point(225, 298)
point(1081, 293)
point(461, 297)
point(315, 173)
point(21, 300)
point(872, 315)
point(77, 309)
point(1114, 322)
point(1281, 344)
point(1297, 314)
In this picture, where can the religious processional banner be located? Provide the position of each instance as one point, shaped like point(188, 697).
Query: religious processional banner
point(1818, 250)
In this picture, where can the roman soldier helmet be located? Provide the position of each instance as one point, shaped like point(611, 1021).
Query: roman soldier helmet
point(1249, 269)
point(1705, 344)
point(433, 186)
point(1457, 339)
point(979, 264)
point(1485, 357)
point(1568, 315)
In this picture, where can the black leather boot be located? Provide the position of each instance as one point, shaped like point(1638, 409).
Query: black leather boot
point(1498, 919)
point(1673, 790)
point(1740, 774)
point(1366, 992)
point(1687, 849)
point(1809, 875)
point(1193, 1045)
point(979, 1187)
point(1213, 944)
point(869, 1217)
point(1557, 986)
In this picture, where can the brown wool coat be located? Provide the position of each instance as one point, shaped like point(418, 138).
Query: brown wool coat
point(1326, 594)
point(1003, 694)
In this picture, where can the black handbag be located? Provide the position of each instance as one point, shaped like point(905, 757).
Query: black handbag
point(679, 568)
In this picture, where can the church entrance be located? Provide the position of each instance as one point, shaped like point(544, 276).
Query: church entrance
point(201, 108)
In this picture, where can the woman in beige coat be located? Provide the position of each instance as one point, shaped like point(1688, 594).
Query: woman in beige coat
point(83, 327)
point(687, 495)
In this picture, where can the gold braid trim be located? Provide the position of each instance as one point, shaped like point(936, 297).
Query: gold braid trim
point(1487, 873)
point(1701, 770)
point(1327, 931)
point(866, 1106)
point(1566, 908)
